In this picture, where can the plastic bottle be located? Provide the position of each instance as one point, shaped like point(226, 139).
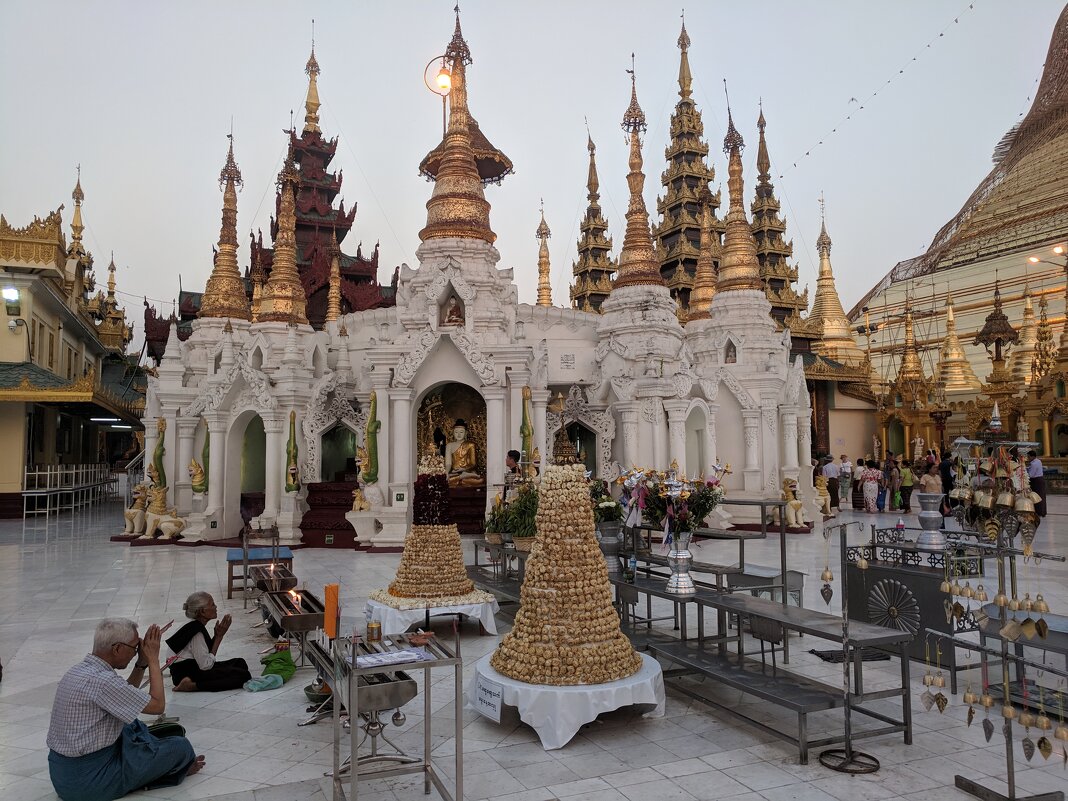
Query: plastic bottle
point(900, 526)
point(633, 566)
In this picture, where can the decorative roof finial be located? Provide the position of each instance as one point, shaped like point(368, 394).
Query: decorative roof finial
point(545, 289)
point(77, 249)
point(224, 294)
point(763, 159)
point(733, 140)
point(78, 195)
point(739, 266)
point(311, 102)
point(685, 78)
point(458, 49)
point(823, 242)
point(634, 117)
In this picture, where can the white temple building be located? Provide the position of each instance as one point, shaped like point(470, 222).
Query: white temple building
point(638, 386)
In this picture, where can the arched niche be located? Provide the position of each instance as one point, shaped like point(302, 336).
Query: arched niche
point(337, 453)
point(244, 483)
point(697, 456)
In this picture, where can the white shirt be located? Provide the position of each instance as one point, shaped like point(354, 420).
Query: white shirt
point(831, 470)
point(847, 468)
point(92, 704)
point(1034, 470)
point(197, 649)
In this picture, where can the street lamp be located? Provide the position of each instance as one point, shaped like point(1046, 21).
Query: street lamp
point(441, 84)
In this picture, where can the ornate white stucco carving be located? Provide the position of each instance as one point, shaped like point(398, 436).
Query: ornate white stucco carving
point(735, 386)
point(471, 350)
point(449, 275)
point(409, 364)
point(323, 411)
point(599, 421)
point(625, 386)
point(212, 396)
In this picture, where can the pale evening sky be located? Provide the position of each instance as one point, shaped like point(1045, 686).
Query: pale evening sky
point(142, 94)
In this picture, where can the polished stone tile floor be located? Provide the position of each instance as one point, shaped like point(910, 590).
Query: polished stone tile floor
point(57, 580)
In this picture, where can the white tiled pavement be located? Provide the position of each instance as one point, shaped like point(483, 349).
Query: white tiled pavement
point(57, 581)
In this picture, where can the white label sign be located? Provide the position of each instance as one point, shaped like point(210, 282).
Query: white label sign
point(488, 699)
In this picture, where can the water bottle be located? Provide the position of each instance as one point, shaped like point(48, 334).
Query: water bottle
point(632, 566)
point(900, 528)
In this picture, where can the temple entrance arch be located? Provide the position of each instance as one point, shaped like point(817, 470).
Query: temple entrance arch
point(895, 436)
point(437, 411)
point(245, 479)
point(585, 441)
point(596, 420)
point(338, 447)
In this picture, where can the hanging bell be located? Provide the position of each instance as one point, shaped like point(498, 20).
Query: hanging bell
point(939, 680)
point(862, 563)
point(987, 700)
point(965, 494)
point(970, 697)
point(827, 576)
point(945, 586)
point(1001, 599)
point(987, 501)
point(1024, 504)
point(967, 592)
point(1061, 732)
point(1008, 711)
point(1014, 604)
point(980, 594)
point(1027, 604)
point(1034, 496)
point(955, 588)
point(1006, 499)
point(1027, 718)
point(1043, 722)
point(1040, 604)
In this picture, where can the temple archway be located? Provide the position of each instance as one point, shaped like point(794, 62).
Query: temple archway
point(895, 435)
point(244, 485)
point(338, 454)
point(585, 441)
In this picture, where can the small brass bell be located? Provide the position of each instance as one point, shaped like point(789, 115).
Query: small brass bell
point(955, 588)
point(1008, 711)
point(1024, 505)
point(945, 586)
point(928, 679)
point(1061, 732)
point(1040, 604)
point(1001, 599)
point(967, 592)
point(1014, 604)
point(1027, 719)
point(970, 697)
point(987, 501)
point(1043, 722)
point(827, 575)
point(862, 563)
point(1006, 500)
point(980, 594)
point(986, 700)
point(1027, 604)
point(939, 680)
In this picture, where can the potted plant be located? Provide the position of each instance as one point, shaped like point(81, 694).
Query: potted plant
point(521, 511)
point(608, 515)
point(497, 522)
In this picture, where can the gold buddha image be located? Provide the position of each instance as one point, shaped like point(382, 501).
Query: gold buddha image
point(460, 458)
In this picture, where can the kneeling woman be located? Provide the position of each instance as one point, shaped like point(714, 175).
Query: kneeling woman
point(196, 667)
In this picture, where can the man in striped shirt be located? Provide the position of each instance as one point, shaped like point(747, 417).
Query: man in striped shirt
point(98, 747)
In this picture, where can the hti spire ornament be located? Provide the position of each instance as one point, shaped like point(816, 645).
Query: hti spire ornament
point(954, 370)
point(594, 267)
point(637, 261)
point(283, 295)
point(545, 289)
point(311, 102)
point(739, 268)
point(224, 294)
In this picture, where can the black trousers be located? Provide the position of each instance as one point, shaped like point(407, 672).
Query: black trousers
point(227, 674)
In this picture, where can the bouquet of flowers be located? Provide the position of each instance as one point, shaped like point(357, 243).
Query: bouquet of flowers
point(682, 503)
point(606, 509)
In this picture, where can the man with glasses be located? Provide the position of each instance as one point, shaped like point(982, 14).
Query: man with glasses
point(98, 747)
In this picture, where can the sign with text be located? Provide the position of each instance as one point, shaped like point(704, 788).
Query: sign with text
point(488, 699)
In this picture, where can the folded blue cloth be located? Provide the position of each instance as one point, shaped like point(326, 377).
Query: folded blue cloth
point(272, 681)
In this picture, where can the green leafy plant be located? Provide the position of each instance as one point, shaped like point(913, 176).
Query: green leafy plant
point(606, 509)
point(498, 520)
point(521, 511)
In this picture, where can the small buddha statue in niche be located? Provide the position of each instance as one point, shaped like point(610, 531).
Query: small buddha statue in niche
point(460, 459)
point(454, 312)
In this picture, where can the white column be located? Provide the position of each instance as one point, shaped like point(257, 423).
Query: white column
point(273, 466)
point(379, 383)
point(400, 414)
point(495, 435)
point(676, 415)
point(216, 460)
point(751, 432)
point(628, 413)
point(183, 493)
point(538, 400)
point(789, 435)
point(804, 438)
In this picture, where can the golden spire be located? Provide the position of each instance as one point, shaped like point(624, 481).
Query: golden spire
point(763, 159)
point(283, 297)
point(311, 103)
point(458, 208)
point(111, 278)
point(739, 268)
point(704, 284)
point(953, 369)
point(594, 264)
point(685, 79)
point(637, 261)
point(911, 370)
point(1045, 357)
point(224, 295)
point(545, 288)
point(333, 295)
point(1025, 348)
point(76, 226)
point(836, 338)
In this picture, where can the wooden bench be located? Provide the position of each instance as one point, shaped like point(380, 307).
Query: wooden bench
point(235, 557)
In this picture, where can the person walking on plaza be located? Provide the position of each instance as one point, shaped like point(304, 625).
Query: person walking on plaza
point(871, 478)
point(831, 472)
point(893, 486)
point(908, 478)
point(1036, 477)
point(845, 477)
point(98, 747)
point(858, 484)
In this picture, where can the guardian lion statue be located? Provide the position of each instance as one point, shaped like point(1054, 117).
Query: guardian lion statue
point(135, 515)
point(158, 518)
point(823, 497)
point(795, 510)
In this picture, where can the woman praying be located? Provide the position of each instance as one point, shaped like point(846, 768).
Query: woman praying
point(196, 667)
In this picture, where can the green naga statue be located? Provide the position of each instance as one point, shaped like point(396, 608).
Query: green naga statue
point(292, 471)
point(198, 471)
point(526, 428)
point(157, 454)
point(374, 425)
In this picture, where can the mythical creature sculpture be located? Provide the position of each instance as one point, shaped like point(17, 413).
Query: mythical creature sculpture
point(159, 518)
point(359, 502)
point(292, 471)
point(135, 515)
point(374, 425)
point(197, 477)
point(795, 510)
point(823, 496)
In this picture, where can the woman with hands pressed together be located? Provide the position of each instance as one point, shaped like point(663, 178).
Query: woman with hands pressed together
point(196, 667)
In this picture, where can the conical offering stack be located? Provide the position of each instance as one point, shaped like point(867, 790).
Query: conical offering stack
point(566, 630)
point(432, 565)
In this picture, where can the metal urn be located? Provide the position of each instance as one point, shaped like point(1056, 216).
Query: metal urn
point(679, 560)
point(609, 540)
point(932, 538)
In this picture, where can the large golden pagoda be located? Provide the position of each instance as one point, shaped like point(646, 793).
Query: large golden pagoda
point(827, 316)
point(704, 284)
point(954, 370)
point(224, 294)
point(594, 267)
point(637, 261)
point(458, 207)
point(739, 269)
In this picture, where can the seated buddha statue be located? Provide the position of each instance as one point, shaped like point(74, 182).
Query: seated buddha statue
point(460, 459)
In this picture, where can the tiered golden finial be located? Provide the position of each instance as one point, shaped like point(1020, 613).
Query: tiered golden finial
point(545, 287)
point(458, 207)
point(111, 329)
point(594, 267)
point(224, 295)
point(704, 284)
point(637, 261)
point(283, 298)
point(333, 294)
point(739, 268)
point(1045, 357)
point(773, 249)
point(954, 370)
point(311, 103)
point(1025, 348)
point(911, 370)
point(836, 339)
point(77, 249)
point(685, 79)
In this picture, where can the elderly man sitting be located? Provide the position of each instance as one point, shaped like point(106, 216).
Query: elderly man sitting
point(98, 748)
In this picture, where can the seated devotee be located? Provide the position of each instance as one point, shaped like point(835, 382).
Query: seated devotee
point(196, 667)
point(98, 748)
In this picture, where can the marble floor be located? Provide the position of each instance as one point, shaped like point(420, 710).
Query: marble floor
point(58, 580)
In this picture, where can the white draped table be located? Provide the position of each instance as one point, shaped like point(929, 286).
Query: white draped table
point(557, 713)
point(398, 621)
